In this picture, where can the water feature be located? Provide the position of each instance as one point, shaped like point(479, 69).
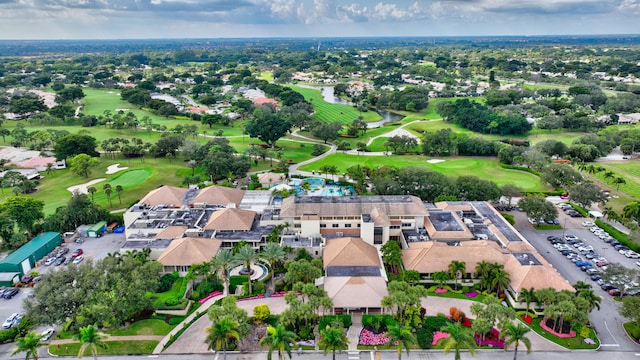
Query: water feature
point(330, 97)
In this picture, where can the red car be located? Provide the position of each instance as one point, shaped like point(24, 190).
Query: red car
point(76, 253)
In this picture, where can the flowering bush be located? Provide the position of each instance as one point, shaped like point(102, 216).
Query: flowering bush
point(528, 319)
point(471, 294)
point(440, 291)
point(437, 336)
point(369, 338)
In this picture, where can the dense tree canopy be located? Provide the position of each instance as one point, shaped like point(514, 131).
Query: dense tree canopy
point(74, 144)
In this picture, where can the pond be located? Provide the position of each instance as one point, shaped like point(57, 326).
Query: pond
point(329, 96)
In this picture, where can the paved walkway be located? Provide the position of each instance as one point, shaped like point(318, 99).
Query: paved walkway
point(112, 338)
point(193, 338)
point(178, 327)
point(354, 331)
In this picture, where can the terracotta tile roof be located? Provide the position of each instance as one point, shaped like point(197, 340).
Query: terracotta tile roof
point(394, 205)
point(356, 291)
point(219, 195)
point(189, 251)
point(349, 251)
point(231, 219)
point(274, 177)
point(165, 195)
point(430, 257)
point(172, 232)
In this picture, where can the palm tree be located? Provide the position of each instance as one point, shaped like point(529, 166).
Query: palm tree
point(514, 334)
point(456, 269)
point(500, 280)
point(402, 337)
point(223, 261)
point(107, 191)
point(619, 181)
point(581, 286)
point(119, 190)
point(29, 344)
point(247, 255)
point(608, 175)
point(482, 272)
point(593, 300)
point(272, 253)
point(459, 337)
point(92, 190)
point(528, 296)
point(221, 333)
point(333, 338)
point(440, 277)
point(278, 338)
point(89, 338)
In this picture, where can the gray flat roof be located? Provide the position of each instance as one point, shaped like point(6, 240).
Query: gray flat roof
point(444, 221)
point(497, 220)
point(353, 271)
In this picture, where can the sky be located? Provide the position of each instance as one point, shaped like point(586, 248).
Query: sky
point(141, 19)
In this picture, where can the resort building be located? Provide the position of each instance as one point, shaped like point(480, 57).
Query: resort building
point(184, 226)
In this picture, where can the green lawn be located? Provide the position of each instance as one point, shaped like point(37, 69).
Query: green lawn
point(574, 343)
point(486, 168)
point(113, 348)
point(176, 291)
point(53, 187)
point(327, 112)
point(143, 327)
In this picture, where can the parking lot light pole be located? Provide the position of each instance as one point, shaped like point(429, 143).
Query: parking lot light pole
point(564, 227)
point(604, 252)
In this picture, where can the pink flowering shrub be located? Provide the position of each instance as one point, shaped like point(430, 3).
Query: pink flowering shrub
point(440, 291)
point(437, 336)
point(471, 294)
point(369, 338)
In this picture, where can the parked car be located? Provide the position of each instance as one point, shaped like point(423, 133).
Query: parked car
point(60, 261)
point(50, 261)
point(78, 259)
point(595, 277)
point(10, 293)
point(607, 287)
point(62, 252)
point(532, 221)
point(570, 237)
point(76, 253)
point(593, 271)
point(614, 292)
point(632, 254)
point(588, 223)
point(9, 322)
point(47, 334)
point(26, 279)
point(582, 263)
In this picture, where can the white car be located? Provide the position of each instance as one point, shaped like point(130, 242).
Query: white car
point(594, 229)
point(532, 221)
point(588, 224)
point(78, 259)
point(9, 322)
point(47, 334)
point(638, 262)
point(50, 261)
point(632, 254)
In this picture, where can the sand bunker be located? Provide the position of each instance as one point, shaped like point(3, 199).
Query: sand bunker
point(112, 169)
point(435, 161)
point(82, 188)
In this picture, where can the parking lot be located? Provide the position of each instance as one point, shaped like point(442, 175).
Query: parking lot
point(94, 248)
point(607, 321)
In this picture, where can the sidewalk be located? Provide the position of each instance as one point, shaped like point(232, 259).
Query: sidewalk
point(188, 319)
point(354, 332)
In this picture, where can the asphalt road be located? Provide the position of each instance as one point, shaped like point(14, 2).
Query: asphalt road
point(607, 320)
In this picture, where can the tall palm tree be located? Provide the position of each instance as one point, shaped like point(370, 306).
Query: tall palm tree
point(222, 262)
point(456, 269)
point(528, 296)
point(107, 191)
point(221, 334)
point(89, 338)
point(272, 253)
point(333, 338)
point(247, 255)
point(581, 286)
point(459, 337)
point(92, 190)
point(402, 337)
point(514, 334)
point(119, 190)
point(592, 299)
point(500, 280)
point(28, 344)
point(619, 181)
point(482, 272)
point(280, 339)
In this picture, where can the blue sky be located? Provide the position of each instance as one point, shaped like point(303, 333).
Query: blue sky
point(118, 19)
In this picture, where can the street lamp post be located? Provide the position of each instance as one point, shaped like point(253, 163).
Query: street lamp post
point(564, 227)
